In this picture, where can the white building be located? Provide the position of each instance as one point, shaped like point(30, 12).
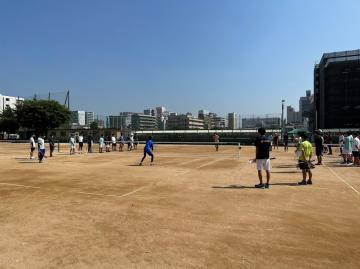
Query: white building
point(8, 101)
point(89, 117)
point(78, 118)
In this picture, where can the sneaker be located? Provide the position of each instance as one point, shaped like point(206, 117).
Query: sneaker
point(267, 186)
point(260, 186)
point(140, 164)
point(309, 182)
point(303, 182)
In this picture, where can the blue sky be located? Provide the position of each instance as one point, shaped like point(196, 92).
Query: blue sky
point(224, 56)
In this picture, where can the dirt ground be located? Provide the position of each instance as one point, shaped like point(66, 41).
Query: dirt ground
point(196, 208)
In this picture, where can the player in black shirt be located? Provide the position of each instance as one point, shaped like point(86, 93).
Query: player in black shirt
point(263, 145)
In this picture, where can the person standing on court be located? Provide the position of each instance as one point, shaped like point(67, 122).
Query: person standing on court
point(263, 145)
point(319, 146)
point(41, 146)
point(148, 149)
point(216, 139)
point(32, 146)
point(51, 145)
point(72, 144)
point(81, 143)
point(305, 160)
point(286, 142)
point(113, 142)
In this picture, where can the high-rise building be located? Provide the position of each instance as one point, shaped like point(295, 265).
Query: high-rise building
point(160, 111)
point(9, 101)
point(126, 120)
point(305, 106)
point(150, 111)
point(232, 121)
point(78, 118)
point(114, 122)
point(337, 90)
point(143, 122)
point(292, 116)
point(89, 117)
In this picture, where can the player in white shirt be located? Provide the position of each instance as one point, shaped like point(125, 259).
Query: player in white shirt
point(356, 149)
point(81, 143)
point(72, 144)
point(32, 146)
point(113, 142)
point(41, 144)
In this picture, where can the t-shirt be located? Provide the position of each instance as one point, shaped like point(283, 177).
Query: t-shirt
point(72, 141)
point(306, 151)
point(356, 144)
point(101, 141)
point(148, 145)
point(81, 138)
point(41, 143)
point(262, 144)
point(113, 139)
point(32, 142)
point(286, 138)
point(319, 141)
point(348, 141)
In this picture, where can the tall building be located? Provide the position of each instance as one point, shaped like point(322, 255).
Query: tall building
point(305, 106)
point(160, 110)
point(292, 116)
point(78, 118)
point(184, 122)
point(114, 122)
point(232, 121)
point(89, 117)
point(143, 122)
point(9, 101)
point(126, 120)
point(337, 90)
point(150, 111)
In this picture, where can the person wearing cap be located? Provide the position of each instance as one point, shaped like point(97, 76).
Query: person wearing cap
point(319, 146)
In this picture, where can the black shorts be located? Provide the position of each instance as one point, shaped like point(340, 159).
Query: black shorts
point(319, 151)
point(81, 144)
point(304, 165)
point(114, 144)
point(356, 154)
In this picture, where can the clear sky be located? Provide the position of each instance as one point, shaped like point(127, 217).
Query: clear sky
point(224, 56)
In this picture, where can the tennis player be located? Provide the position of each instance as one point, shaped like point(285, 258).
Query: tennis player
point(148, 149)
point(305, 160)
point(81, 143)
point(216, 139)
point(101, 144)
point(72, 144)
point(113, 142)
point(32, 146)
point(51, 145)
point(263, 145)
point(41, 145)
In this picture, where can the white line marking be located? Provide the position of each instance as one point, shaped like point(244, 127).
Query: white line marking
point(208, 163)
point(190, 161)
point(343, 180)
point(19, 185)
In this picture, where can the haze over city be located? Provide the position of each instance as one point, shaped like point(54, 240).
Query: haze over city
point(222, 56)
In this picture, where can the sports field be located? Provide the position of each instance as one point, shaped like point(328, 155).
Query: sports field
point(196, 208)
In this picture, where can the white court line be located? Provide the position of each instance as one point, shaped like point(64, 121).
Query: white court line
point(343, 180)
point(19, 185)
point(208, 163)
point(190, 161)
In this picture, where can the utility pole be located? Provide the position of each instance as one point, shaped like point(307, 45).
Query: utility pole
point(282, 117)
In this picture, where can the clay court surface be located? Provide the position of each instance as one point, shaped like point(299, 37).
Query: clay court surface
point(196, 208)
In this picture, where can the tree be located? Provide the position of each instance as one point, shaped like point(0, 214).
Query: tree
point(8, 121)
point(94, 125)
point(41, 115)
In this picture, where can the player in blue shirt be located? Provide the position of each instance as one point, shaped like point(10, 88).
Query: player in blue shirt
point(148, 149)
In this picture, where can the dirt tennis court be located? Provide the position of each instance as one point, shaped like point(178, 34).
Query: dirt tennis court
point(196, 208)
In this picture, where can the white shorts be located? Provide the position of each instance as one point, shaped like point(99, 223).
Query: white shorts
point(263, 164)
point(72, 146)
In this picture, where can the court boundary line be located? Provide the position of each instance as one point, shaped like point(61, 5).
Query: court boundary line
point(343, 180)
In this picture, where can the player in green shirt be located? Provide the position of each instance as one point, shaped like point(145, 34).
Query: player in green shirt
point(305, 160)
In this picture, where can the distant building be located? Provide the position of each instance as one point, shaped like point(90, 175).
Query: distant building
point(232, 121)
point(184, 122)
point(218, 122)
point(114, 122)
point(292, 116)
point(337, 90)
point(126, 120)
point(9, 101)
point(150, 111)
point(160, 111)
point(89, 117)
point(78, 118)
point(143, 122)
point(305, 106)
point(271, 122)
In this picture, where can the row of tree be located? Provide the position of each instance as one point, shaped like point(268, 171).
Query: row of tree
point(36, 115)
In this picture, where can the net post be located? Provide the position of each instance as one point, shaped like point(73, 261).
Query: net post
point(239, 148)
point(58, 145)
